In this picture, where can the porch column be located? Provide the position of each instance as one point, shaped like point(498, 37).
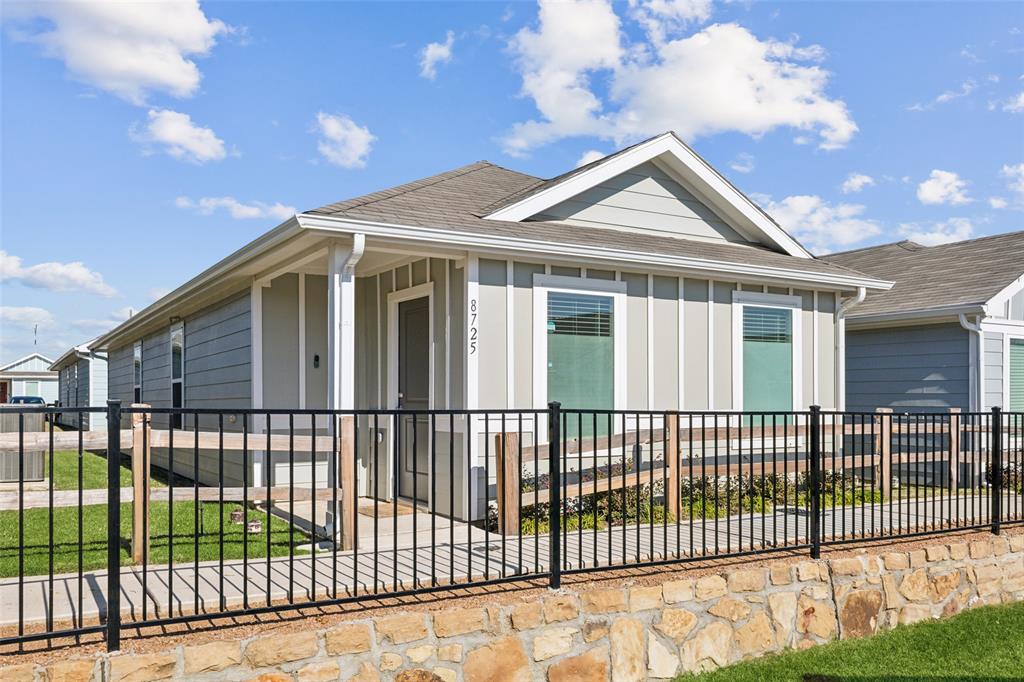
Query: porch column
point(341, 282)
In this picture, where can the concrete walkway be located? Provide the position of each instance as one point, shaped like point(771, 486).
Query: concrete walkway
point(459, 552)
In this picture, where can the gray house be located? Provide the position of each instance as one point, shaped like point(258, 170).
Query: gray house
point(950, 333)
point(82, 382)
point(641, 280)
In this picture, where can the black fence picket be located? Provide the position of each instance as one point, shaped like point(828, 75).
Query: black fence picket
point(252, 511)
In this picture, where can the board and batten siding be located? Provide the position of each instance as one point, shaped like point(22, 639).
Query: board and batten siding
point(653, 307)
point(644, 199)
point(919, 368)
point(993, 370)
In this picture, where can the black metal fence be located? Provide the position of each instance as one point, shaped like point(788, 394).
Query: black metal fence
point(231, 512)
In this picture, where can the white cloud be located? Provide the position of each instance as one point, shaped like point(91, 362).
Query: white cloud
point(179, 136)
point(130, 49)
point(966, 88)
point(822, 226)
point(855, 182)
point(1014, 105)
point(237, 210)
point(998, 202)
point(103, 324)
point(933, 234)
point(54, 276)
point(943, 187)
point(743, 163)
point(733, 81)
point(434, 54)
point(342, 141)
point(26, 317)
point(1014, 179)
point(589, 157)
point(660, 17)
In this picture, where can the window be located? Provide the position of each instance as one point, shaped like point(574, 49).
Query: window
point(579, 346)
point(137, 371)
point(766, 352)
point(1016, 375)
point(177, 372)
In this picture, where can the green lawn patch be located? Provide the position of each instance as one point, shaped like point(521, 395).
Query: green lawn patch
point(981, 644)
point(93, 526)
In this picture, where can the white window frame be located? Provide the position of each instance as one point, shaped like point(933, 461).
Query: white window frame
point(1007, 337)
point(177, 326)
point(137, 386)
point(762, 300)
point(544, 284)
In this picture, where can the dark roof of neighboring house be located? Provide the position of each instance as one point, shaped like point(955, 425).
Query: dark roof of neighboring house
point(927, 277)
point(457, 199)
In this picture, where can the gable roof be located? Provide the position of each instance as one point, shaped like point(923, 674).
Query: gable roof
point(11, 366)
point(463, 201)
point(692, 170)
point(959, 275)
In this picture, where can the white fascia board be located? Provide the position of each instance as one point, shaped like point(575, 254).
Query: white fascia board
point(1005, 294)
point(713, 184)
point(579, 252)
point(1002, 325)
point(25, 359)
point(260, 245)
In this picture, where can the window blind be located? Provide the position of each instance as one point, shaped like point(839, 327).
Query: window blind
point(579, 315)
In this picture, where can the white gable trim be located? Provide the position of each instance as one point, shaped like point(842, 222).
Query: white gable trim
point(995, 305)
point(30, 356)
point(744, 216)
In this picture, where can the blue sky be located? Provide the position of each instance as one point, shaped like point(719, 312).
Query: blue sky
point(142, 143)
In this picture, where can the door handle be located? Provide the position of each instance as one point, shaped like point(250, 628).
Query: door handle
point(401, 400)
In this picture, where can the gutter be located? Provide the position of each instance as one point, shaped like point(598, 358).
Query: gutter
point(844, 307)
point(979, 371)
point(506, 244)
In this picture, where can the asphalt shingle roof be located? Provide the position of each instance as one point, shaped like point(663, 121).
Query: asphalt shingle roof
point(962, 273)
point(457, 200)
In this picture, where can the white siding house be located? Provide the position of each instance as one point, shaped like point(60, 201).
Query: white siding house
point(28, 376)
point(82, 382)
point(486, 288)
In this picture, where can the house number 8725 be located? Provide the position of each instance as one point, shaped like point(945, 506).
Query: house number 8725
point(472, 326)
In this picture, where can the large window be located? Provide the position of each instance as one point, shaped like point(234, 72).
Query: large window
point(766, 352)
point(177, 371)
point(1016, 375)
point(137, 371)
point(579, 347)
point(767, 359)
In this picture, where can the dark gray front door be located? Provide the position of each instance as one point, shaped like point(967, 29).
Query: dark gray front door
point(414, 394)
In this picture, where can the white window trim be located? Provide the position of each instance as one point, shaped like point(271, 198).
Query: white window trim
point(1007, 337)
point(170, 351)
point(542, 285)
point(137, 344)
point(762, 300)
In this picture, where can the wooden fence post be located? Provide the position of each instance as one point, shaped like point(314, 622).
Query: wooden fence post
point(141, 457)
point(347, 481)
point(954, 449)
point(885, 451)
point(671, 462)
point(506, 454)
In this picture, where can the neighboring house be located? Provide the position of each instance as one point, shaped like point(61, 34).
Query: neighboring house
point(641, 280)
point(950, 333)
point(83, 383)
point(29, 375)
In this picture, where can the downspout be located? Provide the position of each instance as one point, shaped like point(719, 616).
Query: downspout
point(844, 307)
point(978, 399)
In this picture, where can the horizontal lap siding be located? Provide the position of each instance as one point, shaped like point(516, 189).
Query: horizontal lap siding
point(925, 367)
point(120, 375)
point(218, 356)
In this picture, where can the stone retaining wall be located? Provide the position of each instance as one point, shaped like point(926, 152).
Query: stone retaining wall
point(629, 633)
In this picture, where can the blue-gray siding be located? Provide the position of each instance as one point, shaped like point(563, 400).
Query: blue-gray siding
point(925, 367)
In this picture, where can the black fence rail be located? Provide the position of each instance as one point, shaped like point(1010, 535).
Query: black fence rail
point(229, 512)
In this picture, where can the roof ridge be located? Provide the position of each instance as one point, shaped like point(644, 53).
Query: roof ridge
point(864, 248)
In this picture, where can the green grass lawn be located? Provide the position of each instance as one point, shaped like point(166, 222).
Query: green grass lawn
point(94, 528)
point(981, 644)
